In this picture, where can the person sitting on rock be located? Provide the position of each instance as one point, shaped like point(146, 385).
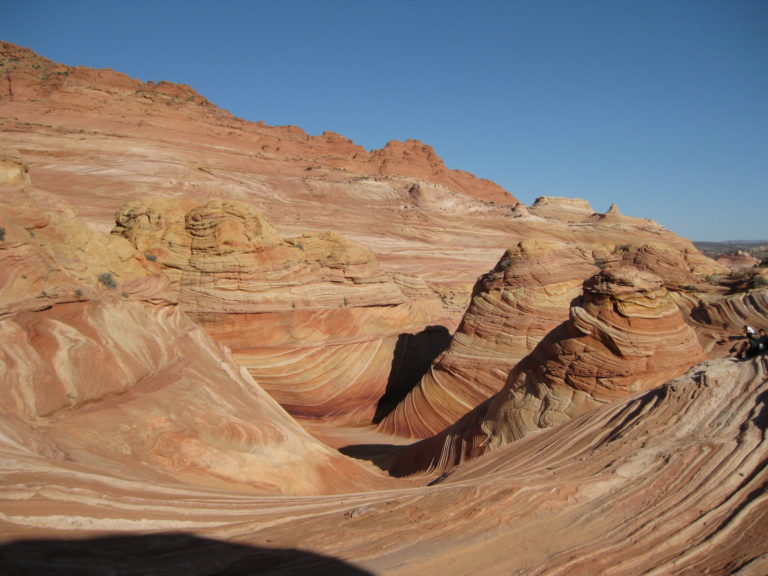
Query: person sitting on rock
point(762, 340)
point(749, 348)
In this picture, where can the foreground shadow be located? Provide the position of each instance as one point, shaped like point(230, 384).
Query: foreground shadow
point(413, 356)
point(160, 554)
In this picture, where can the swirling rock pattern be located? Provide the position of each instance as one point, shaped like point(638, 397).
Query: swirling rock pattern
point(625, 336)
point(513, 307)
point(93, 376)
point(121, 139)
point(146, 392)
point(314, 318)
point(669, 481)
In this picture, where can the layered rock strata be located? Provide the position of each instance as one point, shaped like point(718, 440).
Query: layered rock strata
point(314, 318)
point(144, 392)
point(99, 371)
point(667, 481)
point(626, 335)
point(120, 139)
point(513, 307)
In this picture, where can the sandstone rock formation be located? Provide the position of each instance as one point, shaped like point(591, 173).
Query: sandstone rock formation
point(122, 139)
point(611, 491)
point(738, 260)
point(133, 441)
point(94, 372)
point(513, 307)
point(314, 318)
point(145, 393)
point(626, 335)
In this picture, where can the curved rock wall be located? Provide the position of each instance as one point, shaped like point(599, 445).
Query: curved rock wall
point(626, 335)
point(313, 318)
point(513, 307)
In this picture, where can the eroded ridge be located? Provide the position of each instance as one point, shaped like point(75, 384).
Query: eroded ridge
point(625, 335)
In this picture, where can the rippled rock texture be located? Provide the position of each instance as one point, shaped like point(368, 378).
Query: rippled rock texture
point(133, 442)
point(144, 392)
point(100, 370)
point(513, 307)
point(314, 318)
point(670, 481)
point(120, 139)
point(624, 336)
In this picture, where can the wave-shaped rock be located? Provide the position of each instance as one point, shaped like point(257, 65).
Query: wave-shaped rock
point(669, 481)
point(145, 392)
point(625, 336)
point(314, 318)
point(513, 307)
point(93, 373)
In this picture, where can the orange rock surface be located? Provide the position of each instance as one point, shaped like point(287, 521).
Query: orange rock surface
point(513, 307)
point(193, 392)
point(625, 335)
point(314, 318)
point(109, 379)
point(667, 482)
point(120, 139)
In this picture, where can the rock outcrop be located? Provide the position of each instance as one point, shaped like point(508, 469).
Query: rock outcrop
point(100, 370)
point(144, 392)
point(611, 491)
point(122, 139)
point(626, 335)
point(513, 307)
point(314, 318)
point(132, 441)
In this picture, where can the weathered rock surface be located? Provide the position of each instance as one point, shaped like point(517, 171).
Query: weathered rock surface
point(100, 370)
point(144, 392)
point(513, 307)
point(609, 492)
point(117, 403)
point(738, 260)
point(626, 335)
point(121, 139)
point(314, 318)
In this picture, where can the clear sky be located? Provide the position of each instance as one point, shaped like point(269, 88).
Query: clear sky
point(660, 106)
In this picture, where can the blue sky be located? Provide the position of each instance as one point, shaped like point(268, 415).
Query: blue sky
point(658, 106)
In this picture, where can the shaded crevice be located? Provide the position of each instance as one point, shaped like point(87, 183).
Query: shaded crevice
point(413, 356)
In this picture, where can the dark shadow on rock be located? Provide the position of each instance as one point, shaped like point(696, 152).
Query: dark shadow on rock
point(413, 356)
point(160, 554)
point(761, 418)
point(377, 454)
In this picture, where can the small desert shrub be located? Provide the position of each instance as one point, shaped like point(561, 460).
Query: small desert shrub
point(689, 288)
point(623, 247)
point(108, 280)
point(601, 263)
point(2, 233)
point(150, 257)
point(78, 293)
